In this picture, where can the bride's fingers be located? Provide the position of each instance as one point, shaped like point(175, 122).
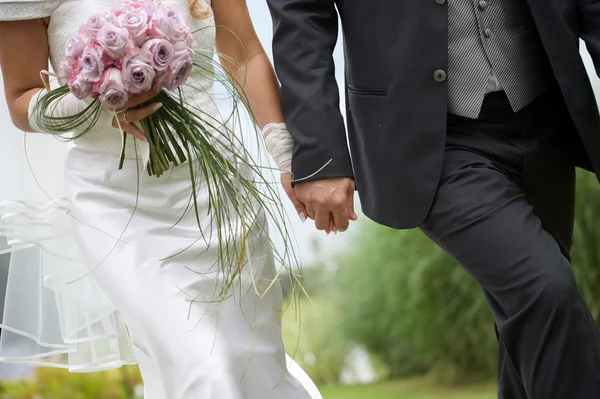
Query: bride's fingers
point(134, 115)
point(286, 181)
point(331, 227)
point(134, 131)
point(126, 118)
point(141, 98)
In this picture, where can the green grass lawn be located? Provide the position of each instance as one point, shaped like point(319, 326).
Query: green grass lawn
point(409, 389)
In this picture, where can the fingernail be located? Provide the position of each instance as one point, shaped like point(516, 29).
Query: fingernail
point(302, 217)
point(156, 107)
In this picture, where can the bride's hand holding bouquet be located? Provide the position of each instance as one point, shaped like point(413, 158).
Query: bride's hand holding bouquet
point(123, 59)
point(126, 119)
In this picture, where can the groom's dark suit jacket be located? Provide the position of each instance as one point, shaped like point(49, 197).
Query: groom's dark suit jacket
point(396, 101)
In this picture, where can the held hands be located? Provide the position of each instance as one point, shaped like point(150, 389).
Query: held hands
point(330, 202)
point(128, 115)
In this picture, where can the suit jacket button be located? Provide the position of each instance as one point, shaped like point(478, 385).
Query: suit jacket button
point(440, 1)
point(439, 75)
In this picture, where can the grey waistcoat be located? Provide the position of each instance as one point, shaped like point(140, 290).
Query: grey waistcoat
point(493, 41)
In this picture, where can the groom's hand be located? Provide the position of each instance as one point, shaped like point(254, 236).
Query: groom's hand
point(328, 197)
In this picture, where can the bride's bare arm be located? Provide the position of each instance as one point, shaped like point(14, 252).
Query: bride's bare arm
point(236, 38)
point(23, 54)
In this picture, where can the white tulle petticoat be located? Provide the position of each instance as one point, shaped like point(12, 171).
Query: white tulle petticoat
point(43, 322)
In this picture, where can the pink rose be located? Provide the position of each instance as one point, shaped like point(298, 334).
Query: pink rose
point(91, 64)
point(190, 42)
point(135, 5)
point(138, 73)
point(136, 22)
point(75, 46)
point(162, 53)
point(167, 24)
point(180, 71)
point(132, 4)
point(114, 41)
point(70, 69)
point(80, 89)
point(181, 48)
point(149, 8)
point(112, 93)
point(95, 23)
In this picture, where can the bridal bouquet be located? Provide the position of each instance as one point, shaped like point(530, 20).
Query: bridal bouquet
point(144, 45)
point(127, 52)
point(139, 46)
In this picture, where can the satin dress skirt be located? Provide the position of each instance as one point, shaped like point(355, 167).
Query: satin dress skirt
point(157, 263)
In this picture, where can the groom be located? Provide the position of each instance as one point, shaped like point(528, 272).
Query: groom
point(465, 118)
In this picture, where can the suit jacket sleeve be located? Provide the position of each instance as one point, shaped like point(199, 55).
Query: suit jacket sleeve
point(588, 14)
point(305, 34)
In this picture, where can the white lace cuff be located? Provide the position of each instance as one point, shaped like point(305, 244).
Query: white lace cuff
point(280, 144)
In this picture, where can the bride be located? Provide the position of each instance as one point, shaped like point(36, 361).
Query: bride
point(109, 272)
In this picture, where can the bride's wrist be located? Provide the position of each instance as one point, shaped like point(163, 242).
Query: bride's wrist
point(279, 144)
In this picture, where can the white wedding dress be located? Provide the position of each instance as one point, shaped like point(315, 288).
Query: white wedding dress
point(113, 271)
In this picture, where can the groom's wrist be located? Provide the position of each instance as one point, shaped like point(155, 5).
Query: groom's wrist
point(304, 171)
